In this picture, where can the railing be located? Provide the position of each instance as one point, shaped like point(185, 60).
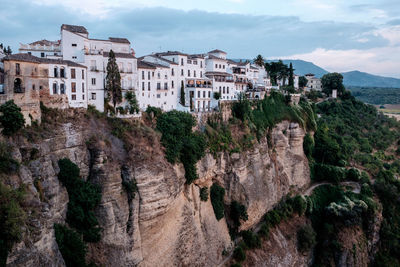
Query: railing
point(92, 68)
point(198, 86)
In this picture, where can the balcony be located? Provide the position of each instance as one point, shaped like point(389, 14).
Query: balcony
point(94, 68)
point(93, 52)
point(199, 85)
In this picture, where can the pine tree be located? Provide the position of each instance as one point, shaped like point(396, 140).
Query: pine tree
point(291, 78)
point(182, 94)
point(113, 80)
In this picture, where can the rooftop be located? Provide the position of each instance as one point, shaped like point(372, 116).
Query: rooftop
point(171, 53)
point(119, 55)
point(45, 42)
point(74, 28)
point(119, 40)
point(217, 51)
point(29, 58)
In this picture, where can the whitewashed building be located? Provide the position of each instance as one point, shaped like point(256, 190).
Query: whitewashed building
point(43, 49)
point(313, 83)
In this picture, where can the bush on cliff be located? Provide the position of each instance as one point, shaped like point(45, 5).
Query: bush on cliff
point(217, 200)
point(12, 219)
point(306, 238)
point(83, 198)
point(11, 118)
point(71, 246)
point(180, 142)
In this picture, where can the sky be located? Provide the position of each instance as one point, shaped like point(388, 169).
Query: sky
point(338, 35)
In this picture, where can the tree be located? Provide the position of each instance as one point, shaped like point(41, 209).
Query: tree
point(291, 78)
point(11, 118)
point(259, 60)
point(132, 101)
point(183, 94)
point(277, 71)
point(332, 81)
point(302, 82)
point(113, 80)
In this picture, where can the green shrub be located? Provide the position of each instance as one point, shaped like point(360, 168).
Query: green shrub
point(12, 219)
point(306, 238)
point(11, 118)
point(238, 212)
point(180, 142)
point(239, 254)
point(236, 265)
point(323, 172)
point(299, 204)
point(153, 112)
point(83, 198)
point(71, 246)
point(242, 108)
point(7, 164)
point(217, 200)
point(130, 188)
point(250, 239)
point(308, 145)
point(204, 193)
point(264, 230)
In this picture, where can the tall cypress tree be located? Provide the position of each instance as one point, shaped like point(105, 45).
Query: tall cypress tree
point(113, 80)
point(291, 78)
point(182, 94)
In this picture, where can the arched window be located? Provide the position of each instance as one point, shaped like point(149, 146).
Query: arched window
point(18, 86)
point(55, 89)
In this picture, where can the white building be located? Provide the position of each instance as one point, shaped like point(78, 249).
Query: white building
point(43, 48)
point(217, 71)
point(313, 82)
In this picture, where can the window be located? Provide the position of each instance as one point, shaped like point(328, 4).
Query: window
point(74, 57)
point(158, 86)
point(73, 97)
point(227, 90)
point(54, 88)
point(72, 73)
point(219, 65)
point(158, 95)
point(182, 72)
point(194, 73)
point(181, 61)
point(201, 74)
point(148, 75)
point(204, 94)
point(201, 64)
point(55, 72)
point(172, 72)
point(158, 75)
point(62, 73)
point(42, 54)
point(223, 90)
point(216, 66)
point(56, 54)
point(148, 86)
point(209, 95)
point(62, 88)
point(83, 74)
point(223, 66)
point(198, 94)
point(172, 84)
point(142, 86)
point(165, 86)
point(29, 53)
point(93, 96)
point(17, 69)
point(33, 87)
point(83, 87)
point(93, 81)
point(73, 87)
point(83, 97)
point(152, 74)
point(142, 74)
point(188, 73)
point(74, 45)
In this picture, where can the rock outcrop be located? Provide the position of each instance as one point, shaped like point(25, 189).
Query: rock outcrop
point(165, 223)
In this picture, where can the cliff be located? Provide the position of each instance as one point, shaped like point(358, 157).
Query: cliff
point(165, 223)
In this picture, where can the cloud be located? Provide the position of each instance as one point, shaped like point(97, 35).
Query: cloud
point(152, 29)
point(381, 61)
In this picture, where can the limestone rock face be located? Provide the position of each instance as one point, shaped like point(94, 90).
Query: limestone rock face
point(164, 223)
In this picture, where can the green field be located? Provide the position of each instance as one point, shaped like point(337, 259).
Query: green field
point(376, 95)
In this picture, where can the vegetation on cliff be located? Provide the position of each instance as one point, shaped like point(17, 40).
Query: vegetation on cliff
point(11, 118)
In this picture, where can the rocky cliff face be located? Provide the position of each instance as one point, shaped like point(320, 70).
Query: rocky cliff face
point(165, 223)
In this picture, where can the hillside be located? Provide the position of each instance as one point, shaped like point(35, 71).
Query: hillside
point(358, 78)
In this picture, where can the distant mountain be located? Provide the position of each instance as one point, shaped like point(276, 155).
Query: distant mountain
point(351, 78)
point(358, 78)
point(302, 67)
